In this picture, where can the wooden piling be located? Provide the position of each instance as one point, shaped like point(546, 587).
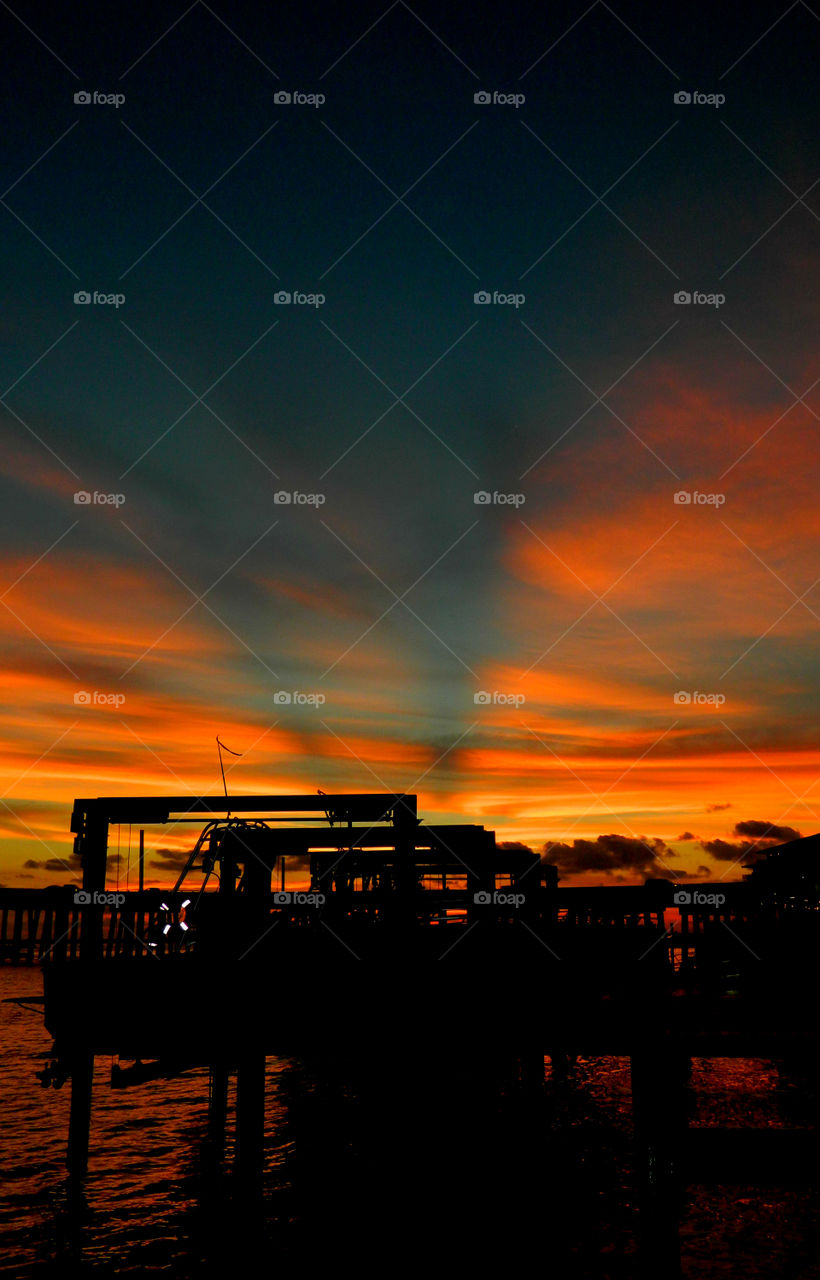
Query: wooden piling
point(250, 1118)
point(217, 1110)
point(659, 1073)
point(79, 1120)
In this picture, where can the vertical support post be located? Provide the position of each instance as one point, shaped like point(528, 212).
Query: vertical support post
point(79, 1120)
point(217, 1109)
point(659, 1074)
point(93, 852)
point(256, 878)
point(405, 825)
point(142, 861)
point(250, 1117)
point(228, 924)
point(92, 845)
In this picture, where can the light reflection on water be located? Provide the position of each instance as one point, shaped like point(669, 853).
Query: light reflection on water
point(359, 1158)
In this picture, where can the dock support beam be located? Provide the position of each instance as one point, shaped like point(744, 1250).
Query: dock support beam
point(79, 1120)
point(217, 1111)
point(659, 1080)
point(250, 1118)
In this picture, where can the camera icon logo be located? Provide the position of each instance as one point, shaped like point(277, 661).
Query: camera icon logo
point(82, 298)
point(482, 698)
point(682, 97)
point(82, 898)
point(682, 698)
point(282, 97)
point(482, 98)
point(682, 498)
point(482, 297)
point(682, 298)
point(482, 498)
point(82, 699)
point(82, 98)
point(282, 497)
point(681, 897)
point(482, 898)
point(281, 898)
point(82, 498)
point(282, 298)
point(282, 698)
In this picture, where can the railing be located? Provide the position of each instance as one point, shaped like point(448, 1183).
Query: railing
point(50, 924)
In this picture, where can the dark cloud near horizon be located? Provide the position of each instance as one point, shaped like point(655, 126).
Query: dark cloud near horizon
point(766, 831)
point(724, 851)
point(169, 859)
point(611, 854)
point(69, 865)
point(616, 855)
point(748, 851)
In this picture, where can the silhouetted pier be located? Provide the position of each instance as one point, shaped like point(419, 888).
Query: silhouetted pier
point(404, 934)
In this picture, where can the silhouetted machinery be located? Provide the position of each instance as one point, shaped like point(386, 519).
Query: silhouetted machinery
point(319, 909)
point(293, 918)
point(391, 872)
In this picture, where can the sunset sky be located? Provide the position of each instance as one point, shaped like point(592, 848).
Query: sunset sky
point(584, 602)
